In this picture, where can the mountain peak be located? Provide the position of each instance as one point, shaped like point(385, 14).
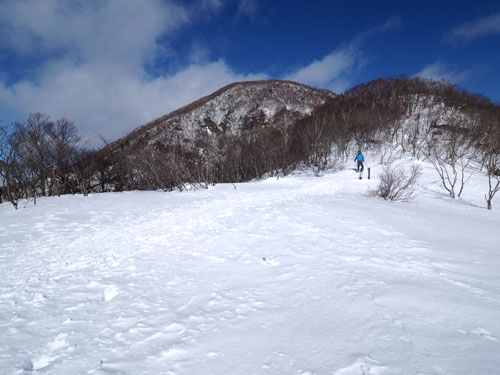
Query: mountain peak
point(234, 108)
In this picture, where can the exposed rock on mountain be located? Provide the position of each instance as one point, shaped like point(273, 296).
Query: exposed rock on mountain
point(238, 107)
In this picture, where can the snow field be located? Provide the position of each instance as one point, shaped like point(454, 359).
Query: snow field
point(300, 275)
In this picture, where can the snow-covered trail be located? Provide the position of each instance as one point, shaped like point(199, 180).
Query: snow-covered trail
point(299, 275)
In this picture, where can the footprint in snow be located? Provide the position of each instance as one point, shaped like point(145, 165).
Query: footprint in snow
point(486, 334)
point(28, 366)
point(110, 292)
point(398, 323)
point(362, 366)
point(269, 262)
point(51, 352)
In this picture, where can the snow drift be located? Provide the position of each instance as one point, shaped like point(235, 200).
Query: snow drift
point(300, 275)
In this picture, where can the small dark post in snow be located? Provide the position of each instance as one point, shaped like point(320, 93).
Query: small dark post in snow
point(368, 173)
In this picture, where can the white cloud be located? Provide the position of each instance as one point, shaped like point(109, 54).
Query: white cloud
point(109, 103)
point(199, 52)
point(440, 70)
point(478, 28)
point(123, 30)
point(98, 79)
point(393, 22)
point(331, 71)
point(92, 56)
point(336, 70)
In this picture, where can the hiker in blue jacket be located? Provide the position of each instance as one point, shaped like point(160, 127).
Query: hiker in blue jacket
point(360, 159)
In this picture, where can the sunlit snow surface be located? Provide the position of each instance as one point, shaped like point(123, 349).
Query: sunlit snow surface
point(301, 275)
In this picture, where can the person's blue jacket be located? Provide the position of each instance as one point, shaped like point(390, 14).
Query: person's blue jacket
point(360, 157)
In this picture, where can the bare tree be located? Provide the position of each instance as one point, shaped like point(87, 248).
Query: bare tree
point(396, 183)
point(451, 155)
point(417, 129)
point(12, 173)
point(492, 163)
point(42, 158)
point(36, 151)
point(83, 169)
point(284, 120)
point(491, 154)
point(63, 155)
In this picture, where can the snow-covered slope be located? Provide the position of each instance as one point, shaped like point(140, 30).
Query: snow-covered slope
point(300, 275)
point(236, 107)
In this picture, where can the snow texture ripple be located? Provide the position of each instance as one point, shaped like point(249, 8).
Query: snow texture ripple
point(301, 275)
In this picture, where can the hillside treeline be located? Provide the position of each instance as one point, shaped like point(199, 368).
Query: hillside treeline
point(42, 158)
point(431, 120)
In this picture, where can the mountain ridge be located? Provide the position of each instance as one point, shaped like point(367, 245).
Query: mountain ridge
point(309, 98)
point(249, 130)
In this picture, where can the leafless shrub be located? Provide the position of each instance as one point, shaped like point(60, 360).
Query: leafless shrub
point(396, 183)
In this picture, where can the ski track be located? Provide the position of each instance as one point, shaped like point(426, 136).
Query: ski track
point(298, 275)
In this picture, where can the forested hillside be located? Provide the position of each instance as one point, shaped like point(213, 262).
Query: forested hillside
point(253, 129)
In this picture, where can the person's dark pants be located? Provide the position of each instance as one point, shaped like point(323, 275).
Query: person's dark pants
point(361, 167)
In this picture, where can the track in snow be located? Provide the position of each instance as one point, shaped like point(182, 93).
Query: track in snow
point(300, 275)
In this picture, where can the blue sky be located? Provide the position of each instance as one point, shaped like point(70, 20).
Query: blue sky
point(112, 65)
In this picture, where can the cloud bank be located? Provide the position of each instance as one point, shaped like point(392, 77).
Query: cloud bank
point(92, 57)
point(336, 70)
point(332, 71)
point(91, 60)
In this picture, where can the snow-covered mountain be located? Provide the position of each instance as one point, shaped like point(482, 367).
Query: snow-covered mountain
point(236, 107)
point(298, 275)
